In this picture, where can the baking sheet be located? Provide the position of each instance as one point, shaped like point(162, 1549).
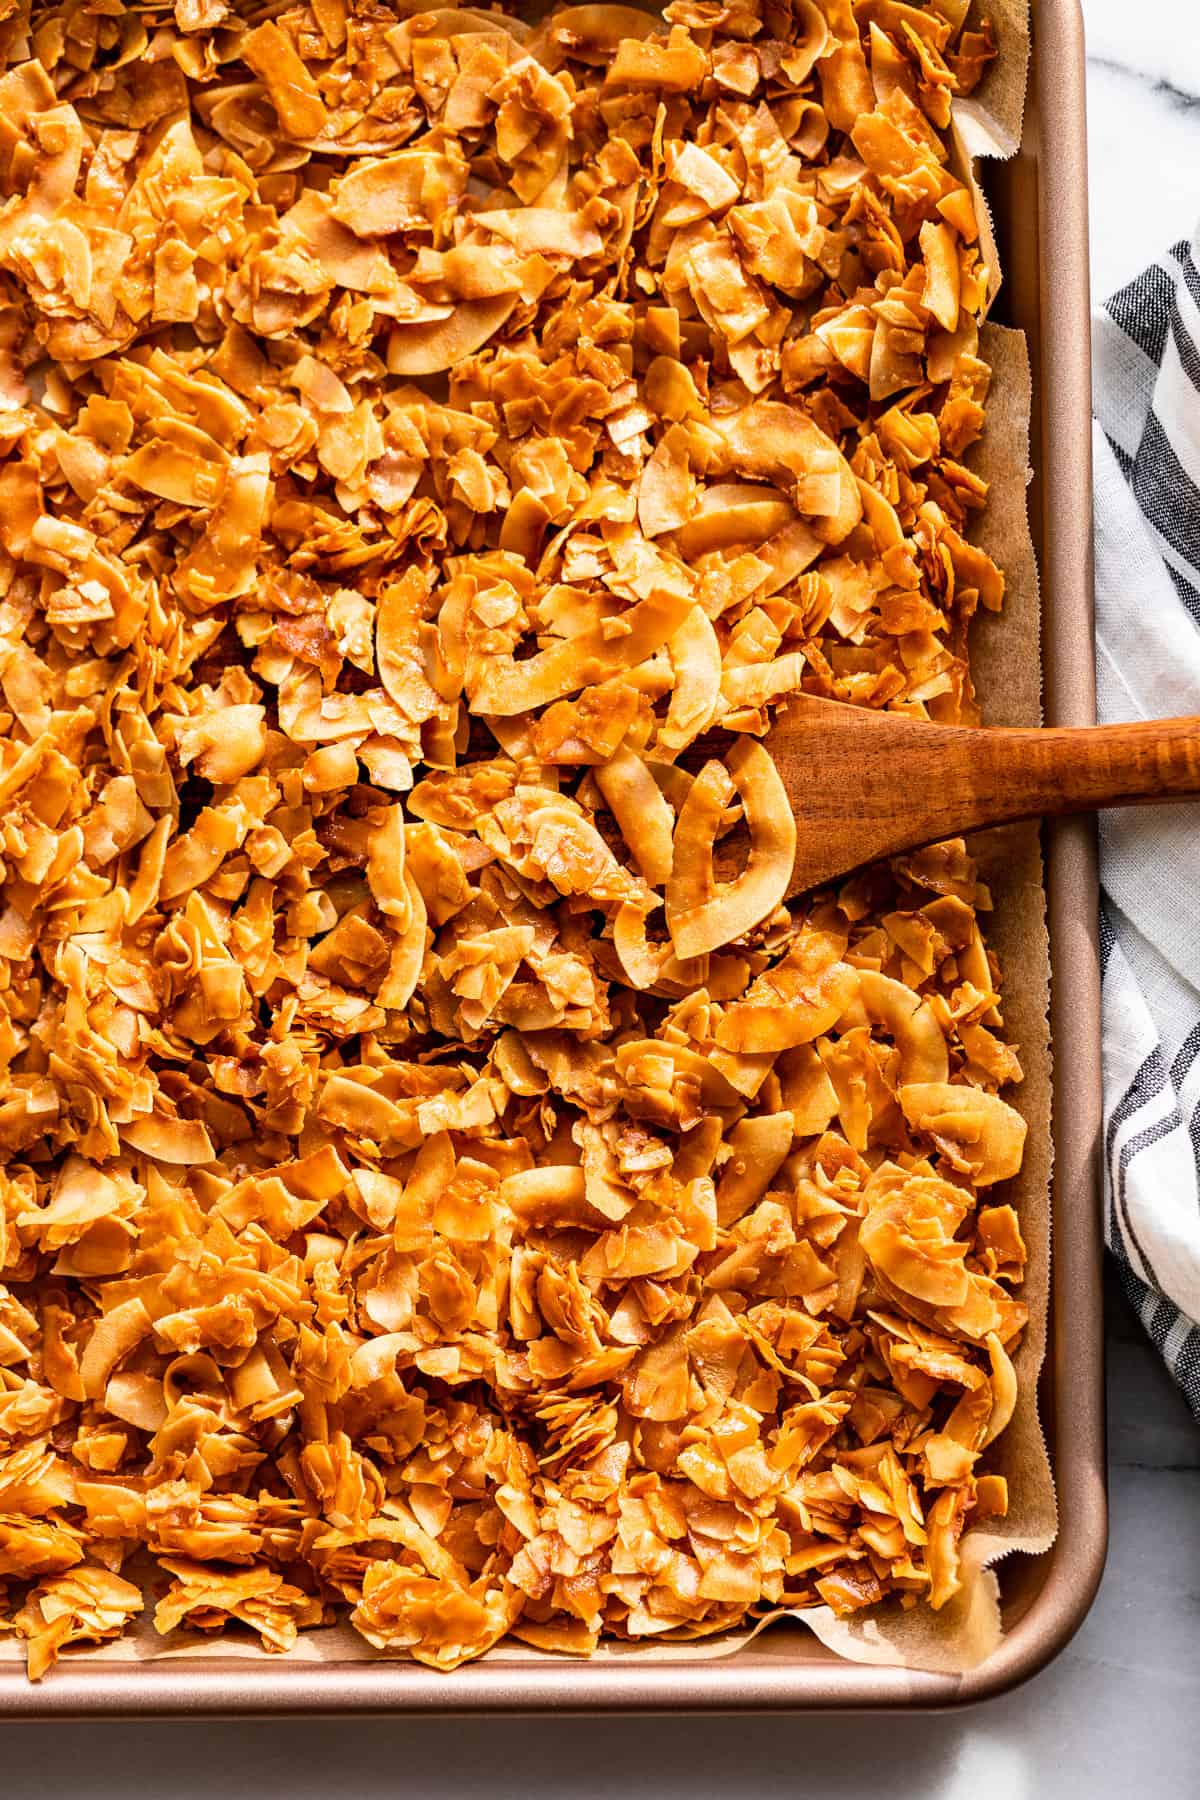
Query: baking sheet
point(1007, 667)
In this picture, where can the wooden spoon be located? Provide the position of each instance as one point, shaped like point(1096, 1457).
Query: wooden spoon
point(864, 785)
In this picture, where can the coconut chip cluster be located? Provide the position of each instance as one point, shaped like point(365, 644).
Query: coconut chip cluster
point(443, 1183)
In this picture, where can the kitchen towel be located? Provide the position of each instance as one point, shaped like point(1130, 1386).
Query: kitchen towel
point(1146, 346)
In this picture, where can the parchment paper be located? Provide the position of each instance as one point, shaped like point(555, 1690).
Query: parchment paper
point(1006, 664)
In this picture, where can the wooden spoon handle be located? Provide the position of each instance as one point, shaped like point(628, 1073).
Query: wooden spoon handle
point(1026, 774)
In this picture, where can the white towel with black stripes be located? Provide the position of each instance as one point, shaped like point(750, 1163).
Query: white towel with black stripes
point(1146, 343)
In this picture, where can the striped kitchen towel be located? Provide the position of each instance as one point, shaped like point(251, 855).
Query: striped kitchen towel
point(1146, 343)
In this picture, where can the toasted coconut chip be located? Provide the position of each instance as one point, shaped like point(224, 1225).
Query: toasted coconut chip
point(756, 684)
point(208, 1599)
point(789, 448)
point(429, 349)
point(86, 1605)
point(1004, 1390)
point(940, 295)
point(666, 487)
point(399, 652)
point(408, 951)
point(113, 1338)
point(702, 915)
point(385, 867)
point(702, 174)
point(589, 34)
point(647, 822)
point(647, 964)
point(294, 93)
point(757, 1148)
point(978, 1132)
point(541, 231)
point(170, 1140)
point(504, 687)
point(732, 513)
point(798, 1000)
point(225, 560)
point(696, 691)
point(911, 1024)
point(392, 193)
point(675, 67)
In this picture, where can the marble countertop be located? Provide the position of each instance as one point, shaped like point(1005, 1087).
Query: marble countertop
point(1120, 1709)
point(1143, 132)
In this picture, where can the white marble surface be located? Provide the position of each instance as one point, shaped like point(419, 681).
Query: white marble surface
point(1143, 131)
point(1119, 1714)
